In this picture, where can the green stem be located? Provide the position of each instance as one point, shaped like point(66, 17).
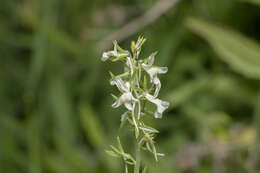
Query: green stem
point(138, 158)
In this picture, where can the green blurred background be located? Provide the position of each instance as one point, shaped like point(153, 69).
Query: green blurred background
point(55, 102)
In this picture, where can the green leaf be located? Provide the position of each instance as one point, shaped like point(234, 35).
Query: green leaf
point(154, 151)
point(149, 129)
point(61, 105)
point(120, 49)
point(182, 94)
point(241, 53)
point(119, 144)
point(145, 169)
point(91, 125)
point(112, 75)
point(116, 150)
point(114, 97)
point(123, 75)
point(120, 57)
point(74, 154)
point(112, 153)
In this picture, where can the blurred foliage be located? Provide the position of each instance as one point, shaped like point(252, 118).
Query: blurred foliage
point(55, 113)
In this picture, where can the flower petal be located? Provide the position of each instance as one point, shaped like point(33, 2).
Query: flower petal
point(123, 116)
point(153, 71)
point(161, 105)
point(127, 99)
point(162, 70)
point(130, 65)
point(123, 87)
point(157, 83)
point(117, 103)
point(151, 59)
point(106, 56)
point(129, 106)
point(157, 70)
point(110, 54)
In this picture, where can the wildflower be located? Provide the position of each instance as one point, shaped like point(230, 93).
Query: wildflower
point(153, 71)
point(161, 105)
point(114, 53)
point(134, 97)
point(126, 98)
point(123, 116)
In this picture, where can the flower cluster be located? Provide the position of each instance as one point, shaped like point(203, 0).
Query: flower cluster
point(135, 92)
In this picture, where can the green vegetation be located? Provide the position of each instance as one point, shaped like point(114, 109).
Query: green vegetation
point(55, 113)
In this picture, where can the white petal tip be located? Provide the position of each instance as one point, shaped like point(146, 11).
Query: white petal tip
point(164, 69)
point(123, 116)
point(166, 104)
point(157, 115)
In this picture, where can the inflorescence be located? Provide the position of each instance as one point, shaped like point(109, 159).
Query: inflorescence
point(136, 92)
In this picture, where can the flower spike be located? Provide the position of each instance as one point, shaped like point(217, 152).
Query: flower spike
point(134, 93)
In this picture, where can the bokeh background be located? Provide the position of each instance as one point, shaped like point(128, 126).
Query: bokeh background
point(55, 102)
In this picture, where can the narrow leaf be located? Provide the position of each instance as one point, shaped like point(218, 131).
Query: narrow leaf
point(145, 169)
point(241, 53)
point(119, 144)
point(112, 153)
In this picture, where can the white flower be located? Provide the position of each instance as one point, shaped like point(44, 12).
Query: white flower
point(126, 98)
point(129, 65)
point(112, 53)
point(123, 116)
point(153, 71)
point(161, 105)
point(121, 85)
